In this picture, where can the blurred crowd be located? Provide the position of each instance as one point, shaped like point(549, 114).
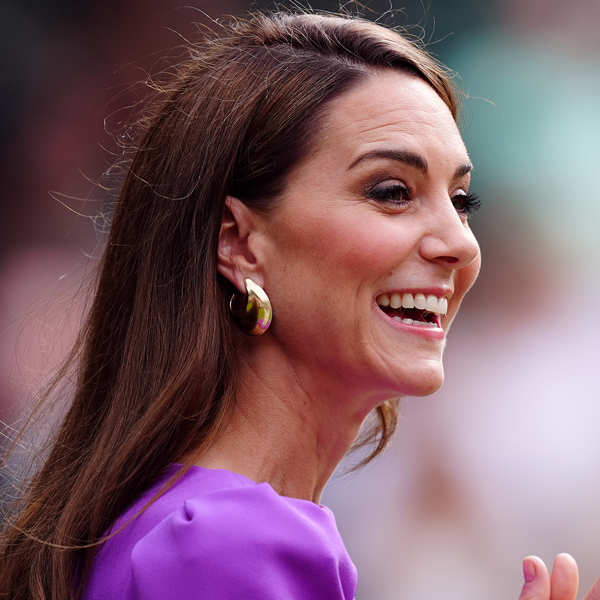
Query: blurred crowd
point(503, 461)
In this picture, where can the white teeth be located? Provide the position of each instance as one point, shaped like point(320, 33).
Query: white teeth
point(430, 302)
point(383, 300)
point(443, 306)
point(408, 301)
point(420, 301)
point(414, 322)
point(396, 301)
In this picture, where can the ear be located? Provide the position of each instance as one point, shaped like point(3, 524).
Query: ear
point(236, 260)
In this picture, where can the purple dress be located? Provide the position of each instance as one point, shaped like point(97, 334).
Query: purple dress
point(218, 535)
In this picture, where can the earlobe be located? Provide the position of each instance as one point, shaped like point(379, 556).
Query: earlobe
point(235, 257)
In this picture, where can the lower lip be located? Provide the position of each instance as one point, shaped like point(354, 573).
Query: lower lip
point(429, 333)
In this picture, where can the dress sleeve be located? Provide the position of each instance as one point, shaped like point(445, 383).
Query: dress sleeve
point(245, 543)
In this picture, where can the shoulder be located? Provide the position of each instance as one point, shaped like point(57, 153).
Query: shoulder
point(244, 542)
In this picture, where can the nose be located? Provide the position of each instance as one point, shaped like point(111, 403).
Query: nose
point(449, 239)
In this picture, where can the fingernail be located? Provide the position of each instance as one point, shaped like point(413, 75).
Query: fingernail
point(528, 570)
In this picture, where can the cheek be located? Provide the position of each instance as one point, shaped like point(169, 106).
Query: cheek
point(328, 267)
point(466, 277)
point(352, 246)
point(471, 273)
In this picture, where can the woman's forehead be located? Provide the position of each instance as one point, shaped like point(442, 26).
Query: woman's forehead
point(389, 109)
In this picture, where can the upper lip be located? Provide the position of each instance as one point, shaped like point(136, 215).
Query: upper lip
point(439, 291)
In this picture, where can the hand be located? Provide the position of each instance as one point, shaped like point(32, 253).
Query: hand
point(562, 585)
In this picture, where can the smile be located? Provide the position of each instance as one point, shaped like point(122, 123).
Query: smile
point(417, 310)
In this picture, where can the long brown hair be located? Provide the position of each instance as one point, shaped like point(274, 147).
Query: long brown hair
point(156, 358)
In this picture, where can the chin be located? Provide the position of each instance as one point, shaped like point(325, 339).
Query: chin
point(424, 381)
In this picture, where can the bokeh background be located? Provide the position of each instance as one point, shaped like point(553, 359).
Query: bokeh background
point(505, 460)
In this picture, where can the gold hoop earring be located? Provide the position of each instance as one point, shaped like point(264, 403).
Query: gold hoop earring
point(252, 311)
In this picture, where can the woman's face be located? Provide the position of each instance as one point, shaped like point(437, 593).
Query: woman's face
point(375, 217)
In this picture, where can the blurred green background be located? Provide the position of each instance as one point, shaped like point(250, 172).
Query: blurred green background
point(504, 461)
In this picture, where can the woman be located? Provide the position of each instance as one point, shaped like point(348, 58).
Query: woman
point(289, 250)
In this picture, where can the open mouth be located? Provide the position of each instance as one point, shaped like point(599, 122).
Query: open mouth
point(414, 309)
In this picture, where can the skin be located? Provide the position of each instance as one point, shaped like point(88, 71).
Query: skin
point(324, 254)
point(562, 584)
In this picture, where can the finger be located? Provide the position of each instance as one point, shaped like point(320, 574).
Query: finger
point(564, 582)
point(537, 580)
point(594, 593)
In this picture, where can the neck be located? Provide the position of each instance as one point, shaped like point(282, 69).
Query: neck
point(282, 430)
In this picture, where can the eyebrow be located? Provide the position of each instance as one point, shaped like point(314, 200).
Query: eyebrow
point(409, 158)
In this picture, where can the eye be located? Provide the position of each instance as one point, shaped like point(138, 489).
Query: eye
point(390, 192)
point(466, 204)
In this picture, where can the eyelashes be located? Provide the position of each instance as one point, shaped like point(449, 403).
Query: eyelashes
point(393, 193)
point(466, 204)
point(398, 195)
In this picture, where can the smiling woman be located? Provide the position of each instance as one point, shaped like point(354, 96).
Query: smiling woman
point(388, 219)
point(300, 179)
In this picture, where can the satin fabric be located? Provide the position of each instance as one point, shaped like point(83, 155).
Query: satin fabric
point(218, 535)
